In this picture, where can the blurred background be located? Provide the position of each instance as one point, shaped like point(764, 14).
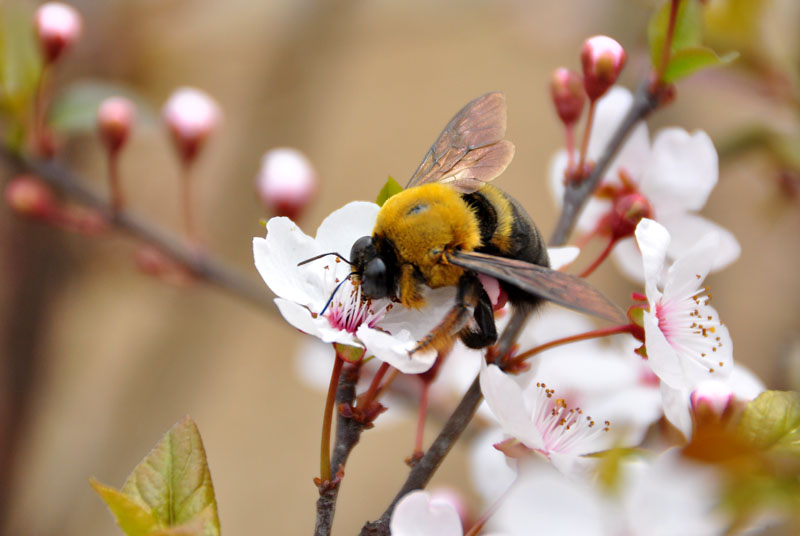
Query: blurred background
point(102, 360)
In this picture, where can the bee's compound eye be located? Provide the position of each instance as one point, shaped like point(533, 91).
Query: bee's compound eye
point(374, 282)
point(360, 250)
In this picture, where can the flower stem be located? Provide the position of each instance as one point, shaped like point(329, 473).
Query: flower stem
point(666, 53)
point(569, 134)
point(372, 391)
point(327, 419)
point(421, 415)
point(580, 172)
point(588, 271)
point(593, 334)
point(186, 204)
point(114, 181)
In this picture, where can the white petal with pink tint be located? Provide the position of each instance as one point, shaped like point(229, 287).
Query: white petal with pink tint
point(417, 515)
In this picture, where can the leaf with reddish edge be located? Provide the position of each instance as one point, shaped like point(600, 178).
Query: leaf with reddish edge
point(170, 492)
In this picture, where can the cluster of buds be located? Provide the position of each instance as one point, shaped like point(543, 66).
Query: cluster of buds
point(602, 60)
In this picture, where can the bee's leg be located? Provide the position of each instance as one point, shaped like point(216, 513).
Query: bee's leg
point(486, 332)
point(467, 299)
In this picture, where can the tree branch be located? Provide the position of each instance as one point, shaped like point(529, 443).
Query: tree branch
point(423, 471)
point(348, 432)
point(200, 264)
point(646, 99)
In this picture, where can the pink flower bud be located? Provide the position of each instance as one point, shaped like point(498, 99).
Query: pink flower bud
point(114, 120)
point(286, 181)
point(566, 88)
point(711, 398)
point(627, 212)
point(58, 27)
point(602, 59)
point(191, 116)
point(30, 197)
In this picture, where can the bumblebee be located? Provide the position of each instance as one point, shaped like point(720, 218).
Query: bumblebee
point(449, 225)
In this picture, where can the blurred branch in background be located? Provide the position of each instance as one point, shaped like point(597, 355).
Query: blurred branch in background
point(200, 264)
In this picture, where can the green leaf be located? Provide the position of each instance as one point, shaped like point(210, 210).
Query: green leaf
point(389, 189)
point(170, 491)
point(20, 61)
point(688, 61)
point(772, 421)
point(131, 517)
point(75, 108)
point(688, 29)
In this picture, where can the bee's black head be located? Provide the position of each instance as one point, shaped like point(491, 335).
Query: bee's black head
point(376, 280)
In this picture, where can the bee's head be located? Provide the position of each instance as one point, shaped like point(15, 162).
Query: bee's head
point(370, 268)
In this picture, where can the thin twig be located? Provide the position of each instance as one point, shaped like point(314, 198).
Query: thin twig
point(200, 264)
point(348, 432)
point(576, 193)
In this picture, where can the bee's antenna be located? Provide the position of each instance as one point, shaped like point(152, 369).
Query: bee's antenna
point(351, 274)
point(324, 255)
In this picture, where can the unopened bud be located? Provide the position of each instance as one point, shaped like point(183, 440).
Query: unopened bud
point(115, 117)
point(602, 59)
point(58, 27)
point(286, 181)
point(191, 116)
point(710, 400)
point(627, 212)
point(566, 88)
point(30, 197)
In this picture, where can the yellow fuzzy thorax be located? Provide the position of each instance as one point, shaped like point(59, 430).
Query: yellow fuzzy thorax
point(425, 221)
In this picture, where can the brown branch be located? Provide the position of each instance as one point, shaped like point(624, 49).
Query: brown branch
point(201, 264)
point(647, 98)
point(423, 471)
point(348, 432)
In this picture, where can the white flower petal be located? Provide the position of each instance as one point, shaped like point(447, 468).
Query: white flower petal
point(491, 472)
point(689, 271)
point(677, 408)
point(595, 208)
point(543, 501)
point(344, 226)
point(276, 258)
point(653, 240)
point(634, 155)
point(506, 401)
point(682, 172)
point(745, 384)
point(299, 317)
point(628, 259)
point(663, 359)
point(685, 229)
point(417, 515)
point(562, 256)
point(394, 349)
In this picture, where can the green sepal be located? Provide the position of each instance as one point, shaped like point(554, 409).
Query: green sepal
point(389, 189)
point(636, 314)
point(170, 491)
point(772, 421)
point(351, 354)
point(688, 61)
point(688, 29)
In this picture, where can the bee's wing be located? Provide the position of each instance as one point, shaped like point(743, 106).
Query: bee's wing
point(564, 289)
point(471, 150)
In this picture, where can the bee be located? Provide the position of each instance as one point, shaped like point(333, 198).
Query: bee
point(449, 225)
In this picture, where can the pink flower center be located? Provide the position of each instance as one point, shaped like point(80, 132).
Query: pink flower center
point(348, 310)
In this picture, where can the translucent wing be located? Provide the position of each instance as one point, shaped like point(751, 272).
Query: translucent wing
point(563, 289)
point(471, 150)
